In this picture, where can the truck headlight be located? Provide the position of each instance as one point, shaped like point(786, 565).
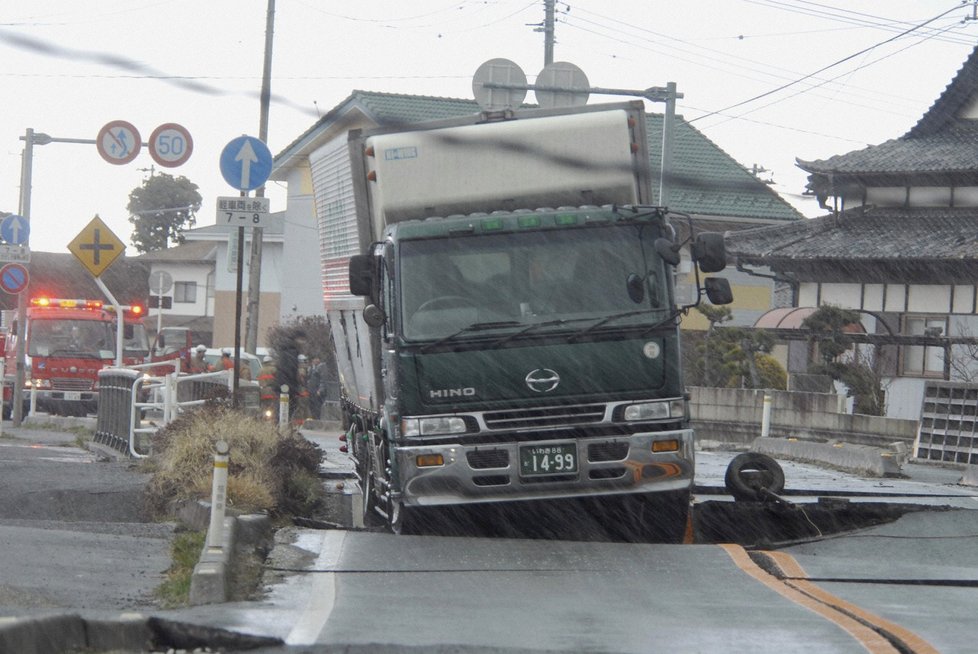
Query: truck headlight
point(661, 410)
point(432, 426)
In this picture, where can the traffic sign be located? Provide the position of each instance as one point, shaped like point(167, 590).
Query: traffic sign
point(13, 278)
point(246, 163)
point(118, 142)
point(243, 212)
point(160, 281)
point(170, 145)
point(96, 247)
point(15, 253)
point(15, 229)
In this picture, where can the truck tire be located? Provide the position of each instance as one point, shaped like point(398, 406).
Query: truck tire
point(750, 472)
point(368, 487)
point(401, 520)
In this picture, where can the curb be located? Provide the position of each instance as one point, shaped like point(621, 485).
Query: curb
point(71, 633)
point(860, 459)
point(209, 581)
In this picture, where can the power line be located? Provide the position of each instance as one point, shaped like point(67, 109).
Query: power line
point(714, 63)
point(832, 65)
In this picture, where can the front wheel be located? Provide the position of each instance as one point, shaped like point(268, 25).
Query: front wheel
point(402, 519)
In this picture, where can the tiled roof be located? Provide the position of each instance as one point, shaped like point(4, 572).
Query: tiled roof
point(57, 274)
point(190, 252)
point(870, 235)
point(950, 151)
point(706, 180)
point(942, 141)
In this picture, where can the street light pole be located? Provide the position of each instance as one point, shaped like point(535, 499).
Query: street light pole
point(26, 166)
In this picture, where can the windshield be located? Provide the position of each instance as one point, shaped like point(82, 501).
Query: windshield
point(135, 342)
point(91, 339)
point(522, 279)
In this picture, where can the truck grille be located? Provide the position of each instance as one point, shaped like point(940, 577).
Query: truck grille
point(485, 459)
point(557, 416)
point(71, 384)
point(598, 452)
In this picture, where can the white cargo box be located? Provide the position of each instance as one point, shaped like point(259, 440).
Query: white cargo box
point(563, 160)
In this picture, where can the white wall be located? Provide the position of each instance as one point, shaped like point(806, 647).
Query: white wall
point(184, 272)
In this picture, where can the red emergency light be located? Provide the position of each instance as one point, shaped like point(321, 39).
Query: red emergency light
point(65, 303)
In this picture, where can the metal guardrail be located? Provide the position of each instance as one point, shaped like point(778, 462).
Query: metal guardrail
point(126, 394)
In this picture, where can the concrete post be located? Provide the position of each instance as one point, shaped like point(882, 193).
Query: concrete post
point(215, 533)
point(33, 409)
point(283, 409)
point(766, 417)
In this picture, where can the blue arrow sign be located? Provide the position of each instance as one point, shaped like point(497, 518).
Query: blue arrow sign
point(246, 163)
point(15, 229)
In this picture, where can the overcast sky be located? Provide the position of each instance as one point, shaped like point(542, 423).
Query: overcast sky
point(768, 81)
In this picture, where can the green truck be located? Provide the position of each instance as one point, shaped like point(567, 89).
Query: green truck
point(494, 352)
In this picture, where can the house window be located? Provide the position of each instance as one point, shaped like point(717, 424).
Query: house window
point(185, 292)
point(922, 360)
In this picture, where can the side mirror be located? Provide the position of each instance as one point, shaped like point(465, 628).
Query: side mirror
point(709, 252)
point(373, 315)
point(718, 290)
point(361, 275)
point(665, 249)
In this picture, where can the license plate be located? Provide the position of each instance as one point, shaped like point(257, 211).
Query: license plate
point(540, 460)
point(72, 396)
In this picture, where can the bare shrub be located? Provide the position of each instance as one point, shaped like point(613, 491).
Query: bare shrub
point(266, 471)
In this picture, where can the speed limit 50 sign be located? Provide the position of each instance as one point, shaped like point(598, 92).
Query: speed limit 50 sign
point(170, 145)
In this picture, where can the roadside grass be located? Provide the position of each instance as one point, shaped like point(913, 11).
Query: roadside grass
point(267, 473)
point(185, 552)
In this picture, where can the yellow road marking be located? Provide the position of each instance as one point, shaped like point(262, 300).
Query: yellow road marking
point(869, 639)
point(796, 577)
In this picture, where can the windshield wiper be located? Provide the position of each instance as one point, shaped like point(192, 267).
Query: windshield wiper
point(587, 330)
point(530, 328)
point(474, 327)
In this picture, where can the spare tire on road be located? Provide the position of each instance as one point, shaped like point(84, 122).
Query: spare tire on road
point(751, 473)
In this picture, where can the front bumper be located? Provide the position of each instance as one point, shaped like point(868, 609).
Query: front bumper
point(607, 465)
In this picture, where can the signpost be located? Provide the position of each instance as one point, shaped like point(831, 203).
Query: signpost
point(246, 163)
point(243, 212)
point(160, 281)
point(118, 142)
point(15, 230)
point(96, 246)
point(15, 253)
point(14, 278)
point(170, 145)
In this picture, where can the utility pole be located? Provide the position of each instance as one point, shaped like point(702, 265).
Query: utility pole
point(548, 32)
point(257, 233)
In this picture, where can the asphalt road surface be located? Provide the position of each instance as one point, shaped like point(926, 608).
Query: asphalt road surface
point(74, 539)
point(73, 535)
point(908, 586)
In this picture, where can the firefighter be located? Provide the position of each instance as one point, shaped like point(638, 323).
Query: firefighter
point(198, 364)
point(301, 412)
point(269, 388)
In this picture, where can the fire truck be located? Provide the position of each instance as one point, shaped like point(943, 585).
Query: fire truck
point(67, 341)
